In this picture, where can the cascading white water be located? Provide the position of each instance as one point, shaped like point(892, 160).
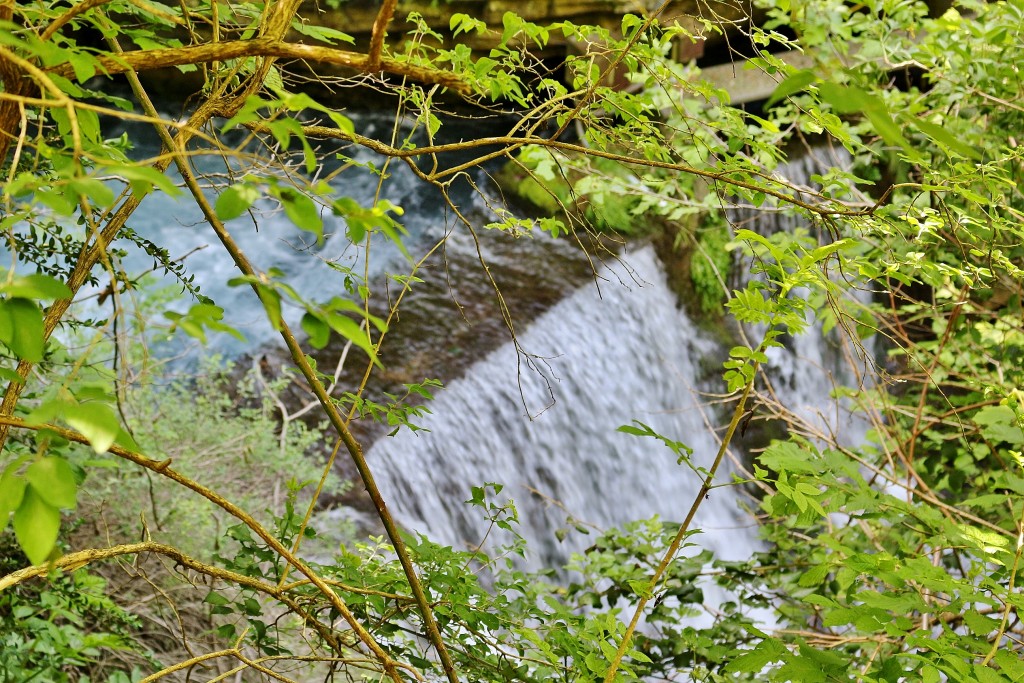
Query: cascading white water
point(614, 353)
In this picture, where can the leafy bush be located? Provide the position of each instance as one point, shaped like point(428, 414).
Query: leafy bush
point(898, 558)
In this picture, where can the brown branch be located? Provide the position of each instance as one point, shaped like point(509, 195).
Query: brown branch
point(74, 11)
point(380, 27)
point(14, 82)
point(510, 143)
point(673, 547)
point(74, 561)
point(338, 422)
point(147, 60)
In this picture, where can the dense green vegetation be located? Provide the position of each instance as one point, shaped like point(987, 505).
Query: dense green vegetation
point(127, 555)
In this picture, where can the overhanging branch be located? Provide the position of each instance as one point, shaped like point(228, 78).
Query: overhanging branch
point(147, 60)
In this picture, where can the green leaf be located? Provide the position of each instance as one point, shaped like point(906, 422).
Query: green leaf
point(236, 200)
point(54, 481)
point(343, 122)
point(45, 412)
point(36, 525)
point(96, 190)
point(464, 23)
point(989, 542)
point(793, 84)
point(980, 624)
point(850, 100)
point(97, 423)
point(350, 329)
point(142, 179)
point(216, 599)
point(12, 490)
point(815, 575)
point(999, 423)
point(324, 34)
point(767, 651)
point(944, 137)
point(36, 286)
point(319, 332)
point(199, 318)
point(21, 328)
point(271, 304)
point(302, 211)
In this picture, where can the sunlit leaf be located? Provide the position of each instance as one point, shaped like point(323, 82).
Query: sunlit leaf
point(97, 422)
point(54, 481)
point(21, 328)
point(302, 211)
point(36, 286)
point(36, 525)
point(235, 200)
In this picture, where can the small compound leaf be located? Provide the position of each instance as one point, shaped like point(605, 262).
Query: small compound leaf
point(97, 423)
point(36, 525)
point(54, 481)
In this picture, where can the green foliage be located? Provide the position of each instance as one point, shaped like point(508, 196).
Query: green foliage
point(897, 557)
point(711, 263)
point(62, 627)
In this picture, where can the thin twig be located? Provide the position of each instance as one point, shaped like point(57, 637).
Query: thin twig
point(673, 548)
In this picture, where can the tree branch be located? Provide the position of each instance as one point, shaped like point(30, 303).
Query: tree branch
point(380, 27)
point(147, 60)
point(336, 419)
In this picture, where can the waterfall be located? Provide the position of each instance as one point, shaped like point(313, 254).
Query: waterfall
point(615, 351)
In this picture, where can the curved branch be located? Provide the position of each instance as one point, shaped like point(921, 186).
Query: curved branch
point(74, 561)
point(380, 26)
point(508, 144)
point(673, 548)
point(147, 60)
